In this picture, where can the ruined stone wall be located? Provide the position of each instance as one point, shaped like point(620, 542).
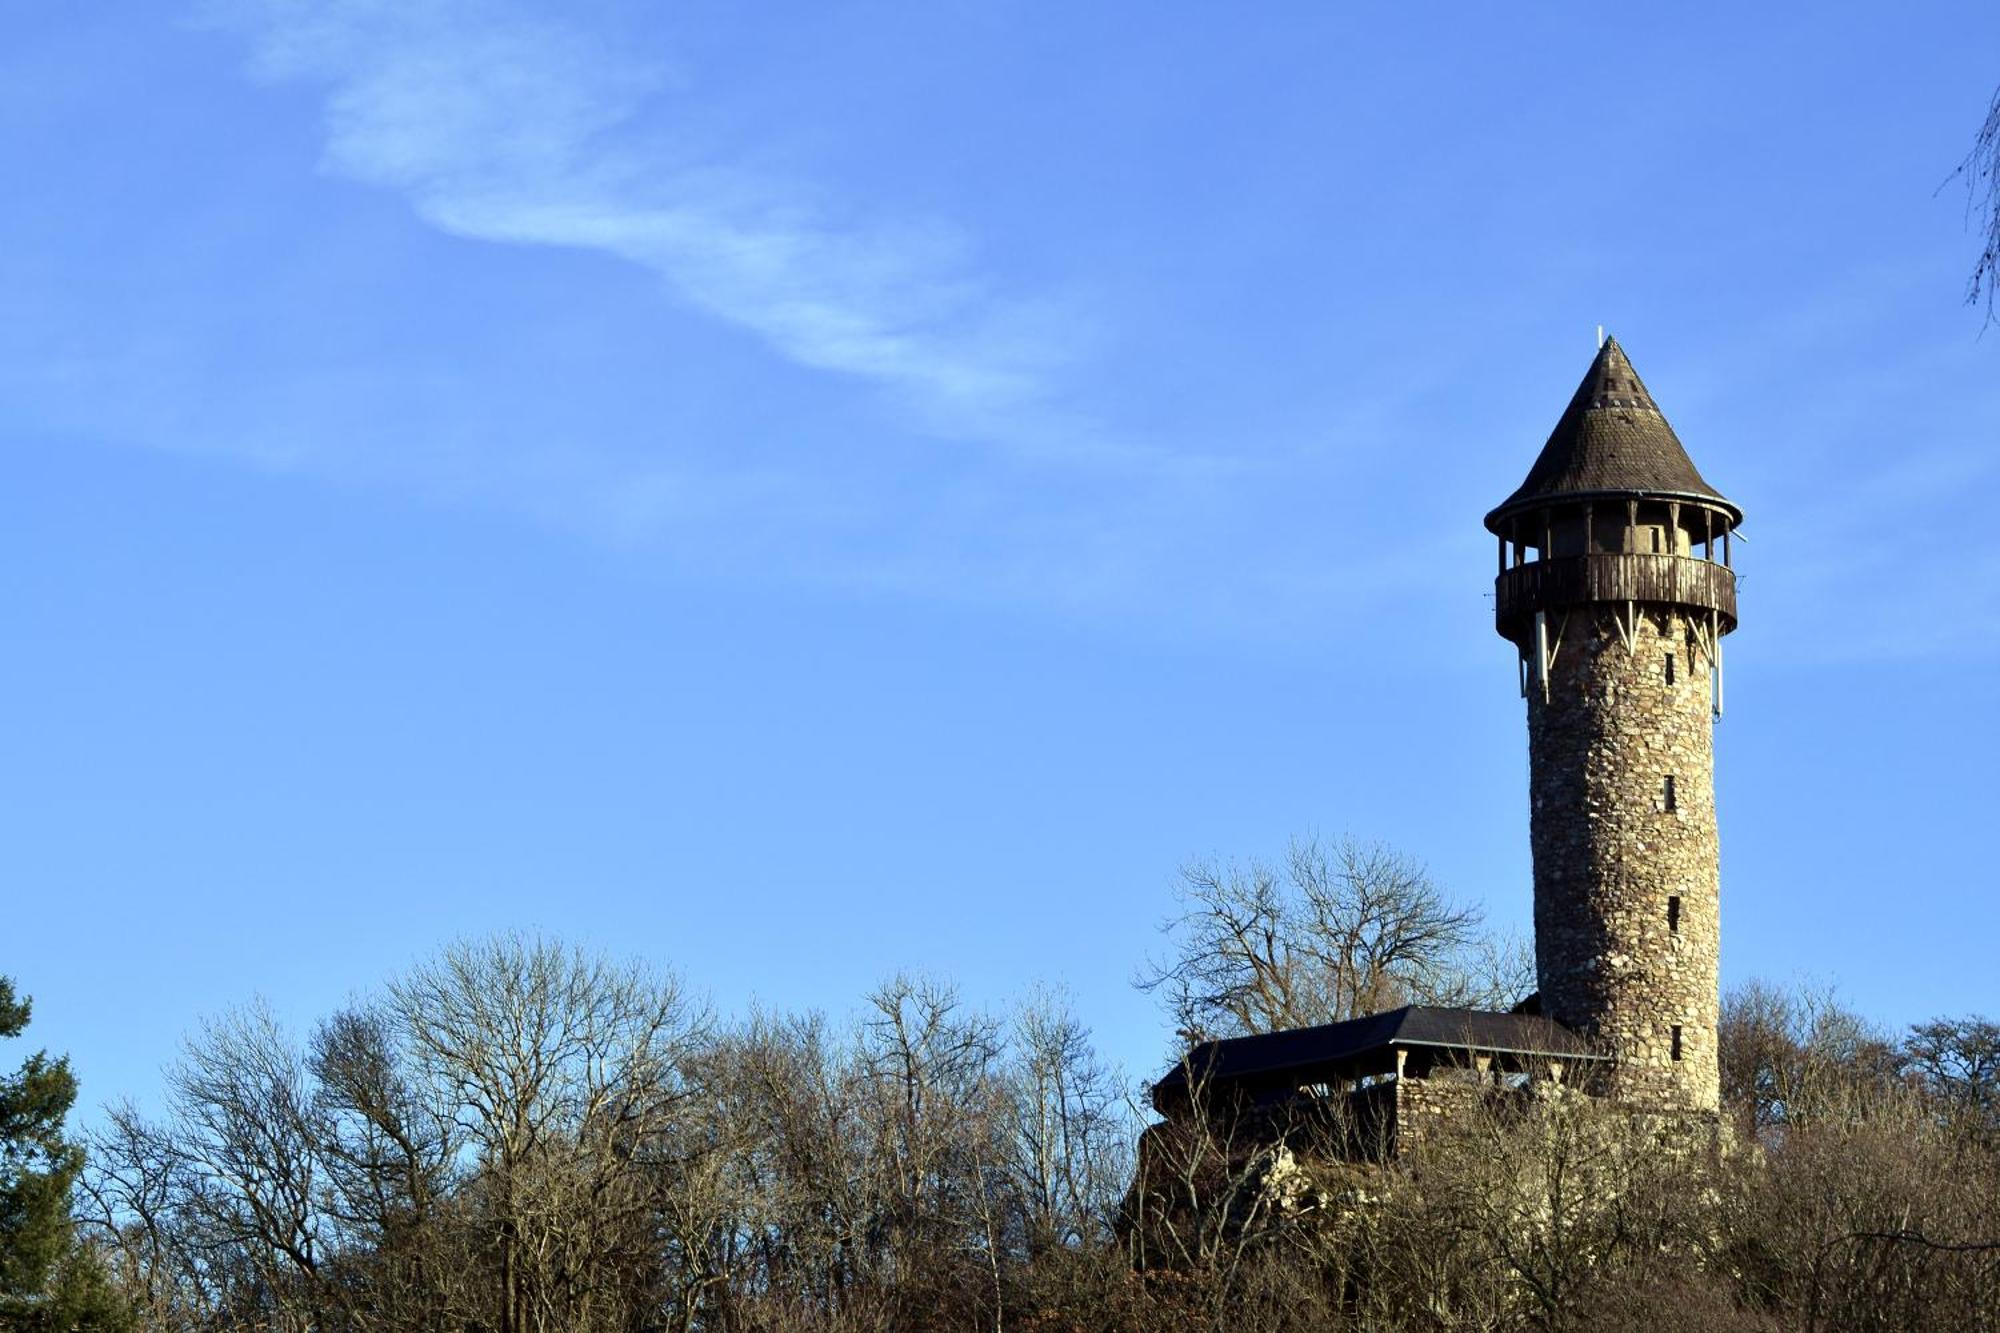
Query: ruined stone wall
point(1615, 953)
point(1426, 1105)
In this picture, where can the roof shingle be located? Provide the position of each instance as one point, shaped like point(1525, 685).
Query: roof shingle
point(1301, 1055)
point(1612, 440)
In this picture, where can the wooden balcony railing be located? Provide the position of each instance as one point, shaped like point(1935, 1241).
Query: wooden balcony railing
point(1570, 581)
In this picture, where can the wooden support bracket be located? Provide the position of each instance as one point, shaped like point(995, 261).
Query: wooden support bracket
point(1628, 625)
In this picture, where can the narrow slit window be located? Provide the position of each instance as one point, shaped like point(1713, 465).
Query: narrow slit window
point(1670, 668)
point(1677, 1041)
point(1674, 914)
point(1667, 801)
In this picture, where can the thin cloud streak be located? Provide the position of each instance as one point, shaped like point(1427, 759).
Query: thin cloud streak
point(506, 128)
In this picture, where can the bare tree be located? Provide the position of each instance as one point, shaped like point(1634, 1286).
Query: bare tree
point(1334, 932)
point(1066, 1129)
point(1884, 1215)
point(925, 1166)
point(927, 1066)
point(487, 1147)
point(802, 1213)
point(1958, 1061)
point(1790, 1056)
point(390, 1151)
point(564, 1075)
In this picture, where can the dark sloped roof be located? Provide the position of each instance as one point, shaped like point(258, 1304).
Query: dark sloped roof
point(1612, 440)
point(1334, 1047)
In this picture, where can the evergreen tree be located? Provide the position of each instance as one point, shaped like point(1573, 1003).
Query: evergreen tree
point(49, 1283)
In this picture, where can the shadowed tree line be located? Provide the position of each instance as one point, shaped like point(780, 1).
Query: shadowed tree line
point(518, 1137)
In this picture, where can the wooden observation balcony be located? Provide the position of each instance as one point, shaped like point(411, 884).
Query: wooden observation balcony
point(1567, 582)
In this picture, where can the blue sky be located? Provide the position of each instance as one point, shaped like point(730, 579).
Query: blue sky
point(803, 491)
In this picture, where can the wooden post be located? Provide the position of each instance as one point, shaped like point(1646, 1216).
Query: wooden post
point(1715, 649)
point(1631, 525)
point(1542, 652)
point(1725, 548)
point(1503, 555)
point(1673, 527)
point(1589, 528)
point(1708, 534)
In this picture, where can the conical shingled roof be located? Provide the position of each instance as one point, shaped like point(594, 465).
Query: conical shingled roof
point(1612, 440)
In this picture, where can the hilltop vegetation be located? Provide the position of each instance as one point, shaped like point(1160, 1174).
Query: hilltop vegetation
point(523, 1138)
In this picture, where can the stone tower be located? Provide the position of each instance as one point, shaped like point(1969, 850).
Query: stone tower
point(1615, 588)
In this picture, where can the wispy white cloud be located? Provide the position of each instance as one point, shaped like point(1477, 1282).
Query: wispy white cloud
point(506, 126)
point(522, 124)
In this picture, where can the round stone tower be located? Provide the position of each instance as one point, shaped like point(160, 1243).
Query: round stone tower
point(1616, 590)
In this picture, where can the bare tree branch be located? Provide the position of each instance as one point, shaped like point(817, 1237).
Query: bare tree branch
point(1981, 172)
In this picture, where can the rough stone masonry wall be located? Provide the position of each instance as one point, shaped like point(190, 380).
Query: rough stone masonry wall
point(1426, 1105)
point(1613, 957)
